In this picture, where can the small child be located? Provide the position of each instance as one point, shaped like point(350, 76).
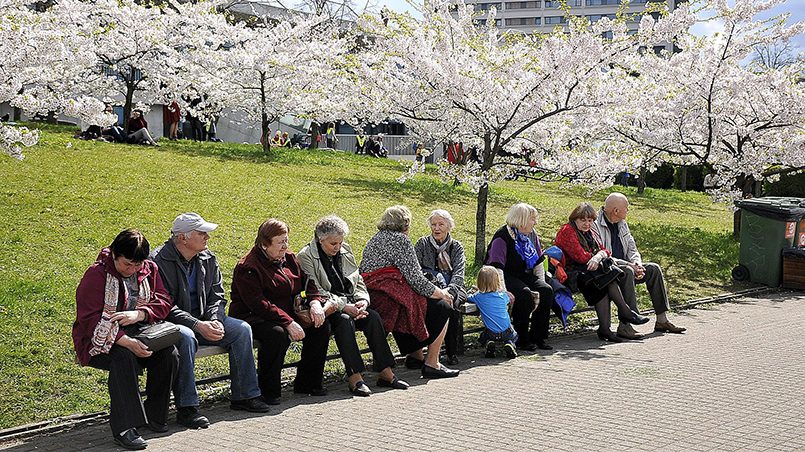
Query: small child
point(494, 306)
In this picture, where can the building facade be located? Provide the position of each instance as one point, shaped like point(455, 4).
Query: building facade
point(543, 16)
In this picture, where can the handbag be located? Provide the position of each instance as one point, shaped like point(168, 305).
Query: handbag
point(606, 273)
point(302, 312)
point(155, 336)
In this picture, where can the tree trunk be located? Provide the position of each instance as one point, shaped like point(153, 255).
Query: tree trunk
point(480, 224)
point(17, 114)
point(128, 106)
point(265, 134)
point(683, 177)
point(641, 181)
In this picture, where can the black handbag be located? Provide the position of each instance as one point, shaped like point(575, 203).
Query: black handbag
point(155, 336)
point(606, 274)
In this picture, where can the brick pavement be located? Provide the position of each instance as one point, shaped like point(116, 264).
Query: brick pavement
point(733, 382)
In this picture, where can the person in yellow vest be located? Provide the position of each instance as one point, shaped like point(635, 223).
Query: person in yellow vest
point(277, 140)
point(360, 142)
point(285, 141)
point(331, 138)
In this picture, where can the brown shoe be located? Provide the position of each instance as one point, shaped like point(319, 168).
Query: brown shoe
point(668, 327)
point(626, 331)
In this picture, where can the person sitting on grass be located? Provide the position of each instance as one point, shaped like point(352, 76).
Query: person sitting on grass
point(138, 129)
point(493, 303)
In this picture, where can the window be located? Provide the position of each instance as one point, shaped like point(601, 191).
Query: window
point(555, 20)
point(597, 17)
point(523, 5)
point(522, 21)
point(537, 21)
point(603, 2)
point(488, 6)
point(482, 22)
point(552, 4)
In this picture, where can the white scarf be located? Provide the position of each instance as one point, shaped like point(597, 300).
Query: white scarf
point(106, 330)
point(442, 257)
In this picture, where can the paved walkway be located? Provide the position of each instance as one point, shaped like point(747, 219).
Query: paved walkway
point(733, 382)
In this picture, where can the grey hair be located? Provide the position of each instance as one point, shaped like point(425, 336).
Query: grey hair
point(442, 214)
point(395, 218)
point(331, 225)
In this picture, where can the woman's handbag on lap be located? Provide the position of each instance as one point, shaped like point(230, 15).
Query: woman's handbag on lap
point(155, 336)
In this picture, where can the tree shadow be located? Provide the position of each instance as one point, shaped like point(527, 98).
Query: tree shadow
point(427, 190)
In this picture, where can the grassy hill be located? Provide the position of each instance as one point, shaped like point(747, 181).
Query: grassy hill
point(69, 198)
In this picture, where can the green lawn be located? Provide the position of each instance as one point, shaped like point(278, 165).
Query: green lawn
point(69, 198)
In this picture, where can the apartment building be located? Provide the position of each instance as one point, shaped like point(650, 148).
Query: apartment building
point(542, 16)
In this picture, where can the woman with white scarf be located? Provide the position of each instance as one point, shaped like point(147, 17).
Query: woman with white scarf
point(442, 259)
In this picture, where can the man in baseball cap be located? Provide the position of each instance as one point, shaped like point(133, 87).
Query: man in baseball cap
point(191, 274)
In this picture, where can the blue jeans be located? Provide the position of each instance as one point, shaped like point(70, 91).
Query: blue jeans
point(238, 342)
point(508, 336)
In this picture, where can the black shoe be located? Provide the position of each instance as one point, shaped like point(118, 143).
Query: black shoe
point(131, 440)
point(606, 335)
point(156, 427)
point(253, 405)
point(508, 348)
point(634, 318)
point(527, 347)
point(490, 349)
point(396, 383)
point(542, 345)
point(413, 363)
point(190, 417)
point(271, 400)
point(318, 392)
point(361, 390)
point(452, 360)
point(441, 372)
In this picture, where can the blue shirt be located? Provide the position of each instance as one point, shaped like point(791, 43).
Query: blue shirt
point(617, 245)
point(494, 307)
point(190, 270)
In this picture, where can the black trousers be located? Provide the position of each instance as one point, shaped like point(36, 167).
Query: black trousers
point(344, 327)
point(126, 409)
point(274, 343)
point(437, 314)
point(520, 286)
point(451, 339)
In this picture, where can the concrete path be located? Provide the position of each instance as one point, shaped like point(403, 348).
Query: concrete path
point(734, 381)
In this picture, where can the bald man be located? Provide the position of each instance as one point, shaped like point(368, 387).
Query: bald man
point(611, 223)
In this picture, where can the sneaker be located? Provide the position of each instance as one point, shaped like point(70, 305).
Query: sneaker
point(509, 350)
point(191, 418)
point(253, 405)
point(490, 349)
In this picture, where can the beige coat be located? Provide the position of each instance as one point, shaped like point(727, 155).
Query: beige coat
point(312, 266)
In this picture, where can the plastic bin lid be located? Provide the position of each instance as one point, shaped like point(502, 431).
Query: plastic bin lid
point(778, 208)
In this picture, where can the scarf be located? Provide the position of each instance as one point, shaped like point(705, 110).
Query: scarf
point(334, 270)
point(525, 249)
point(442, 257)
point(586, 239)
point(105, 332)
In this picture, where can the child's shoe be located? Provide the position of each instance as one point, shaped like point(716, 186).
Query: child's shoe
point(490, 349)
point(510, 351)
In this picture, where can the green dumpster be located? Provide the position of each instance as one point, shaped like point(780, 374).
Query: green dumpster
point(768, 225)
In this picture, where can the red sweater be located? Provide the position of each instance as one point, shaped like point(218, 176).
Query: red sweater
point(568, 241)
point(264, 290)
point(89, 300)
point(401, 309)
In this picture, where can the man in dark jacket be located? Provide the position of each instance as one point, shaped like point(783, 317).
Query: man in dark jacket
point(191, 275)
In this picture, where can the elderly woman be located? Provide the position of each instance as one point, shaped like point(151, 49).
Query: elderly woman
point(329, 262)
point(412, 308)
point(442, 258)
point(584, 253)
point(264, 285)
point(516, 252)
point(122, 288)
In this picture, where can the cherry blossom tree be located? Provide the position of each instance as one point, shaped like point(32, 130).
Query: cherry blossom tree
point(523, 102)
point(706, 105)
point(264, 68)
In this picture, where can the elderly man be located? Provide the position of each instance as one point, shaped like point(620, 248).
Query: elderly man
point(190, 273)
point(611, 225)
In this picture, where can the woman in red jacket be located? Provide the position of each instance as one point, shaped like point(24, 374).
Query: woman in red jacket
point(264, 285)
point(123, 288)
point(585, 254)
